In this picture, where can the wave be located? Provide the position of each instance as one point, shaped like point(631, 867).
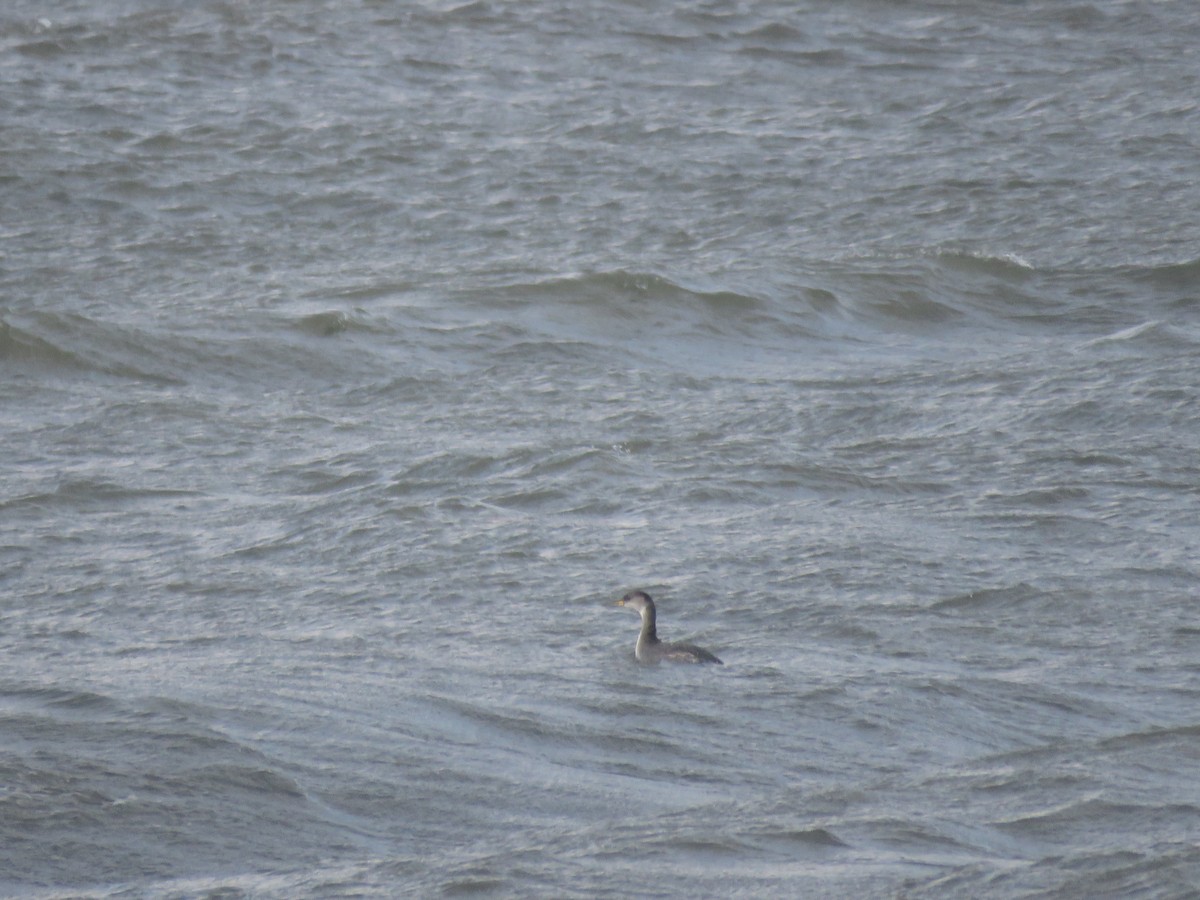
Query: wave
point(89, 494)
point(1090, 811)
point(1183, 275)
point(26, 350)
point(927, 288)
point(762, 315)
point(688, 314)
point(683, 318)
point(632, 295)
point(935, 288)
point(74, 346)
point(71, 344)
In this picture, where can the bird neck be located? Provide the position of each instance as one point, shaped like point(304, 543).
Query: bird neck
point(649, 634)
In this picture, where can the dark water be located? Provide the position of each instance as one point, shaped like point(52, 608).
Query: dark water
point(356, 357)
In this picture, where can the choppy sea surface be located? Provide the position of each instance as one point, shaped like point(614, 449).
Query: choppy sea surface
point(356, 357)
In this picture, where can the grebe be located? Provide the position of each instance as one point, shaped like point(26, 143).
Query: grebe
point(649, 648)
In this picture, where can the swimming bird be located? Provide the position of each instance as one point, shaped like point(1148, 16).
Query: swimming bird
point(649, 648)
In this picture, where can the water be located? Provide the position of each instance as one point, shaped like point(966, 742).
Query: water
point(356, 357)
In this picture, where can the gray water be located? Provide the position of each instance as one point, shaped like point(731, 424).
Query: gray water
point(356, 357)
